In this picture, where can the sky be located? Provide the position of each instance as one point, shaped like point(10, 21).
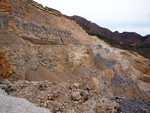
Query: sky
point(116, 15)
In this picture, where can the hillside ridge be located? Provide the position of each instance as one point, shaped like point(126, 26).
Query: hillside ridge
point(126, 40)
point(46, 9)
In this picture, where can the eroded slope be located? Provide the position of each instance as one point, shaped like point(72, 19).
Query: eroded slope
point(42, 46)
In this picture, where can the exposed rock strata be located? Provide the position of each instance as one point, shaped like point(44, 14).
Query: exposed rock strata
point(53, 48)
point(47, 47)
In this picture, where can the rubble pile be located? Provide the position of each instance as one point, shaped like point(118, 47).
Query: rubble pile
point(61, 97)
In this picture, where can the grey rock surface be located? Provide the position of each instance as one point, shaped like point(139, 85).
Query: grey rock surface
point(2, 92)
point(10, 104)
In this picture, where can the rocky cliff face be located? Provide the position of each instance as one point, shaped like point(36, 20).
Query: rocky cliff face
point(41, 46)
point(126, 40)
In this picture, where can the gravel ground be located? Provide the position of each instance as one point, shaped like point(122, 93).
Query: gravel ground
point(134, 106)
point(61, 97)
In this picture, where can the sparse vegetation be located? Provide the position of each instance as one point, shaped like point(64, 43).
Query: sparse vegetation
point(46, 9)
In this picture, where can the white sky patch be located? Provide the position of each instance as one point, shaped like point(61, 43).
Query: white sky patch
point(104, 12)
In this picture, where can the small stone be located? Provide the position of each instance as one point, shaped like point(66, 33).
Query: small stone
point(27, 82)
point(40, 87)
point(41, 105)
point(76, 102)
point(71, 111)
point(45, 105)
point(76, 85)
point(56, 109)
point(34, 83)
point(117, 100)
point(51, 97)
point(47, 97)
point(76, 96)
point(84, 95)
point(59, 112)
